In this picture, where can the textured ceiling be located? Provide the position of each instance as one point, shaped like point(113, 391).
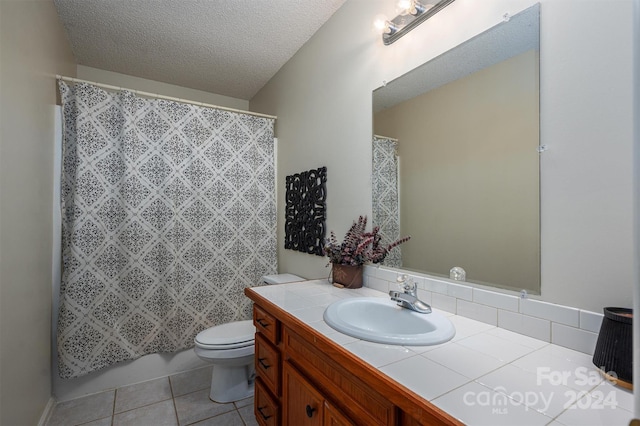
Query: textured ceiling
point(228, 47)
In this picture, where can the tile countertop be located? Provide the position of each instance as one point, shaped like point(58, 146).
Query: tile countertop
point(484, 376)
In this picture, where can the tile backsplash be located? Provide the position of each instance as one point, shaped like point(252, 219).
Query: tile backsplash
point(563, 325)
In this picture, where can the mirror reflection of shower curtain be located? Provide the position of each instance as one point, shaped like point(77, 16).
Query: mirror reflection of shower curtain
point(386, 194)
point(168, 213)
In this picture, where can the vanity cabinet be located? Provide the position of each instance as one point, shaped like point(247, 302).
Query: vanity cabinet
point(304, 378)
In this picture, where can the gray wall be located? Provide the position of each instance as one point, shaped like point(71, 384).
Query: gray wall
point(34, 49)
point(322, 98)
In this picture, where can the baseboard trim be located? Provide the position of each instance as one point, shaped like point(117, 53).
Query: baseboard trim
point(48, 410)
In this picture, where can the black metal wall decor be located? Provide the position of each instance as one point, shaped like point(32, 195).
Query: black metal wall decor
point(304, 228)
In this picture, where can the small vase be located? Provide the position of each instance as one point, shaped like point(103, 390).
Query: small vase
point(347, 275)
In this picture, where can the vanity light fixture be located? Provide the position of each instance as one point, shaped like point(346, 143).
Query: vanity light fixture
point(412, 14)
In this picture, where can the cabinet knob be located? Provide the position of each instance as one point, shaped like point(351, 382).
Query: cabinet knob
point(310, 411)
point(262, 322)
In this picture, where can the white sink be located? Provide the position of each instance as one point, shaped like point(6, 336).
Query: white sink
point(381, 320)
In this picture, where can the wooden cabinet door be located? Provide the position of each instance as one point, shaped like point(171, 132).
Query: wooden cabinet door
point(302, 404)
point(333, 417)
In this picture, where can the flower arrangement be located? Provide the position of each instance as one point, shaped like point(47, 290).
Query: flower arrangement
point(359, 246)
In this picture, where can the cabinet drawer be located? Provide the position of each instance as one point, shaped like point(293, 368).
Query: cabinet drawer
point(266, 324)
point(267, 361)
point(266, 409)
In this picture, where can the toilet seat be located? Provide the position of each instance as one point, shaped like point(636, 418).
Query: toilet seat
point(233, 335)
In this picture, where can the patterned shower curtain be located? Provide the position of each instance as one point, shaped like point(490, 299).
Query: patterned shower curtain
point(386, 195)
point(168, 213)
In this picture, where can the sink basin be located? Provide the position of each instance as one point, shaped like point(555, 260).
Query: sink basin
point(382, 321)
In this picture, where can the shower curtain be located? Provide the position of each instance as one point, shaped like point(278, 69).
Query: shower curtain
point(386, 195)
point(168, 213)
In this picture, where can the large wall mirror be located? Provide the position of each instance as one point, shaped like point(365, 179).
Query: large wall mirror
point(456, 159)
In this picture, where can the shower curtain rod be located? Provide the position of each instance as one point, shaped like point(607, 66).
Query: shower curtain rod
point(168, 98)
point(385, 137)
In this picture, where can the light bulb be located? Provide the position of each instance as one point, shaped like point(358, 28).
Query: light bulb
point(381, 23)
point(404, 6)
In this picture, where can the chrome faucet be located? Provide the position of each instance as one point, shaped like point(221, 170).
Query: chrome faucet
point(408, 298)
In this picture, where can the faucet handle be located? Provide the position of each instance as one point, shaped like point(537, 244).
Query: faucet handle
point(406, 283)
point(401, 279)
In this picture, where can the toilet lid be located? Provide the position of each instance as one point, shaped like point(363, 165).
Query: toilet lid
point(232, 334)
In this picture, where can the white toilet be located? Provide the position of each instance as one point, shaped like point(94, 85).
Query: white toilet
point(230, 348)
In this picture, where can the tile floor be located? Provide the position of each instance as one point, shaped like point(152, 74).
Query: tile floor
point(181, 399)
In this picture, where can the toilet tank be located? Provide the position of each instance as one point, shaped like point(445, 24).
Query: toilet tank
point(281, 279)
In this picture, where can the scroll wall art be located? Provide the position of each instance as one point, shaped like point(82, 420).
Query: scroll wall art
point(306, 196)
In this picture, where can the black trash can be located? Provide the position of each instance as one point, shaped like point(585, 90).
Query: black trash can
point(614, 349)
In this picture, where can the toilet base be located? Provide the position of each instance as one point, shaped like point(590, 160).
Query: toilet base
point(231, 383)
